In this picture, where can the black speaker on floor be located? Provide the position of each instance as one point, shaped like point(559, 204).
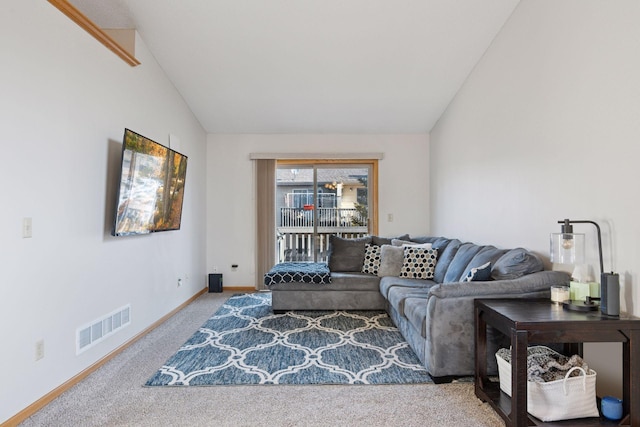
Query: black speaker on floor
point(215, 283)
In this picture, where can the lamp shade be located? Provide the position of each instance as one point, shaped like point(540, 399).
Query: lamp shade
point(567, 248)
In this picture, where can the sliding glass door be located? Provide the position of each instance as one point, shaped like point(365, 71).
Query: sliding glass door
point(315, 200)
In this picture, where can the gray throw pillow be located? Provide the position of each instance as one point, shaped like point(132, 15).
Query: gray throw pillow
point(379, 241)
point(516, 263)
point(347, 254)
point(391, 260)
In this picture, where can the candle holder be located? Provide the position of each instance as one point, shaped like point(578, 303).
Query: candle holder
point(559, 294)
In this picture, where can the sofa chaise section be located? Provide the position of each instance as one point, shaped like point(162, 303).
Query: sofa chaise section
point(347, 291)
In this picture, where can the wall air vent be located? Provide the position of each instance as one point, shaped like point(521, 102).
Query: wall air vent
point(98, 330)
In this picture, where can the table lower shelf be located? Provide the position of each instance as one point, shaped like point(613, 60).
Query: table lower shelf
point(501, 403)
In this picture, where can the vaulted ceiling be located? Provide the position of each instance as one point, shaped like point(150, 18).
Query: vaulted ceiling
point(312, 66)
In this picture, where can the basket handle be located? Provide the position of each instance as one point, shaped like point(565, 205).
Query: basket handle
point(566, 377)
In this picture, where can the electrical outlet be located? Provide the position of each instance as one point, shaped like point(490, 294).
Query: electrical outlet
point(39, 349)
point(179, 282)
point(215, 268)
point(27, 228)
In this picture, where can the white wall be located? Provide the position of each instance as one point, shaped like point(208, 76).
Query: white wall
point(403, 189)
point(65, 101)
point(545, 128)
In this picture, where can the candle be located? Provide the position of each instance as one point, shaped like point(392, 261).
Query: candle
point(559, 293)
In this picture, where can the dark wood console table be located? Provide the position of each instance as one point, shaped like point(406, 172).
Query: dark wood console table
point(539, 322)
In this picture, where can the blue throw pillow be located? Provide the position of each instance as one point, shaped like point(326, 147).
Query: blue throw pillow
point(479, 274)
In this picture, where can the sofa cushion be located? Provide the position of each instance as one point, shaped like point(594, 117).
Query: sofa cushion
point(516, 263)
point(354, 282)
point(399, 242)
point(391, 259)
point(371, 263)
point(347, 254)
point(379, 241)
point(419, 263)
point(486, 254)
point(398, 295)
point(423, 239)
point(440, 244)
point(445, 256)
point(386, 283)
point(478, 274)
point(415, 310)
point(463, 256)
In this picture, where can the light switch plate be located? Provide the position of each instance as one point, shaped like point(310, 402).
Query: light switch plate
point(27, 228)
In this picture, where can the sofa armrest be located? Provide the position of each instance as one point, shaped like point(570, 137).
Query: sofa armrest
point(534, 282)
point(450, 319)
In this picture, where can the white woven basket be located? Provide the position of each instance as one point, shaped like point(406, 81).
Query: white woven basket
point(568, 398)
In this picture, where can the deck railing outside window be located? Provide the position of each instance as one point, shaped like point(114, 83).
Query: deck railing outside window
point(295, 231)
point(327, 217)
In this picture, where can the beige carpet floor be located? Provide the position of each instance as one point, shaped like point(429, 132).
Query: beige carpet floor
point(114, 395)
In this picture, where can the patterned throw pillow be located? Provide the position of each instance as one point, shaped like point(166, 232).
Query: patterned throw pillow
point(418, 263)
point(371, 259)
point(479, 274)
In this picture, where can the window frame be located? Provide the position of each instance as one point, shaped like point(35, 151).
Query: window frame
point(372, 185)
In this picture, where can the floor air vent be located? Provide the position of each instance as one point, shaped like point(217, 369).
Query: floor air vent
point(96, 331)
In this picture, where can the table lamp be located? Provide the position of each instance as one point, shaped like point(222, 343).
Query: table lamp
point(567, 247)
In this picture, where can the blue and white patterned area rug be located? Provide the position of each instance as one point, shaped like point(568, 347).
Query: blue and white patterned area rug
point(244, 342)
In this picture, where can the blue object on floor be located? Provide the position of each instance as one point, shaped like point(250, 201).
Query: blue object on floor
point(611, 407)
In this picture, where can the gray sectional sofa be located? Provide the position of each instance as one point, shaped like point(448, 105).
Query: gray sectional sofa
point(427, 291)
